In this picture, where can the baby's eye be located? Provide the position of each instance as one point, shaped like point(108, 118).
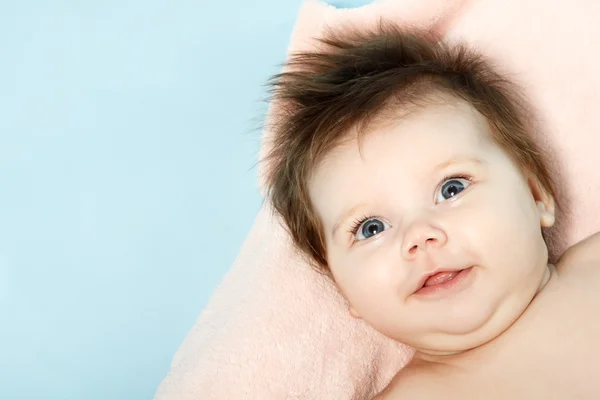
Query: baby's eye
point(451, 187)
point(370, 228)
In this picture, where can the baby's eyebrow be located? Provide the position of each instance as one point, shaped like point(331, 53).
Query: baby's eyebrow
point(463, 159)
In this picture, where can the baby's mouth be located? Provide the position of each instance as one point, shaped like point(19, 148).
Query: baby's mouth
point(440, 277)
point(441, 281)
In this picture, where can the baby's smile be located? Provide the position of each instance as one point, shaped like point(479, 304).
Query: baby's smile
point(444, 283)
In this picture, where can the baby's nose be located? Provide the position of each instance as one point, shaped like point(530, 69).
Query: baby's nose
point(422, 236)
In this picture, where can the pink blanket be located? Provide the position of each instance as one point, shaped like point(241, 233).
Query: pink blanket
point(274, 329)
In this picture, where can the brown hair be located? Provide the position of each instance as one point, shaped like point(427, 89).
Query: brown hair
point(355, 77)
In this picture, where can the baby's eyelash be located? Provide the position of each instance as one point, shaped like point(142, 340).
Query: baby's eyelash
point(358, 222)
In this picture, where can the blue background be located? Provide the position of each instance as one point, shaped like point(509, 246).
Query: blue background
point(129, 133)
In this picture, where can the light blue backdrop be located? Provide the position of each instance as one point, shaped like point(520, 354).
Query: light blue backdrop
point(128, 138)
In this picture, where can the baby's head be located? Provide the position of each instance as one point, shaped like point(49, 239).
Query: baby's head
point(396, 157)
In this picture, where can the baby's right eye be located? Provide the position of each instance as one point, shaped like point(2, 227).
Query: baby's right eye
point(369, 227)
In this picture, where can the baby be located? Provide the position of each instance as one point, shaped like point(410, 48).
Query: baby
point(406, 171)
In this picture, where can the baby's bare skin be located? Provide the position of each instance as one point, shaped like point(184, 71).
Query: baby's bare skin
point(399, 242)
point(551, 352)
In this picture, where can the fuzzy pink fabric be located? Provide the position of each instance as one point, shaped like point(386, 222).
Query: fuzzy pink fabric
point(274, 329)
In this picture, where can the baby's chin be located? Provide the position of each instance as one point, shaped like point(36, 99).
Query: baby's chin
point(448, 346)
point(463, 332)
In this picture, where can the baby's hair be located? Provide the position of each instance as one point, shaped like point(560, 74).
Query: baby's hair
point(358, 77)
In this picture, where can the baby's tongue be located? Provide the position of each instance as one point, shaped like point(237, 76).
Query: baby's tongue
point(440, 278)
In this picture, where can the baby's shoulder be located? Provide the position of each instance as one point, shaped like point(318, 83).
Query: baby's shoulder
point(416, 382)
point(582, 256)
point(408, 389)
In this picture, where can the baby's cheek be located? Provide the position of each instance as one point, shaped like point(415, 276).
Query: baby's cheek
point(351, 274)
point(504, 231)
point(366, 281)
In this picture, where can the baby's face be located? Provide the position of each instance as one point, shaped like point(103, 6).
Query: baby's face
point(432, 193)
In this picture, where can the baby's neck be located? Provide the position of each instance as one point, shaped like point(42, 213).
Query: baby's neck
point(428, 357)
point(548, 273)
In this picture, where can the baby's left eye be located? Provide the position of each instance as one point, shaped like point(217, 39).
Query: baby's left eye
point(451, 187)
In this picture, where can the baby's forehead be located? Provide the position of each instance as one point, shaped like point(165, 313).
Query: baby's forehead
point(440, 130)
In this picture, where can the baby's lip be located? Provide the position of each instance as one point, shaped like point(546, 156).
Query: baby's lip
point(427, 275)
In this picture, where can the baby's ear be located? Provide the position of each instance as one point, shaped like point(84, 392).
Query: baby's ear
point(547, 217)
point(544, 201)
